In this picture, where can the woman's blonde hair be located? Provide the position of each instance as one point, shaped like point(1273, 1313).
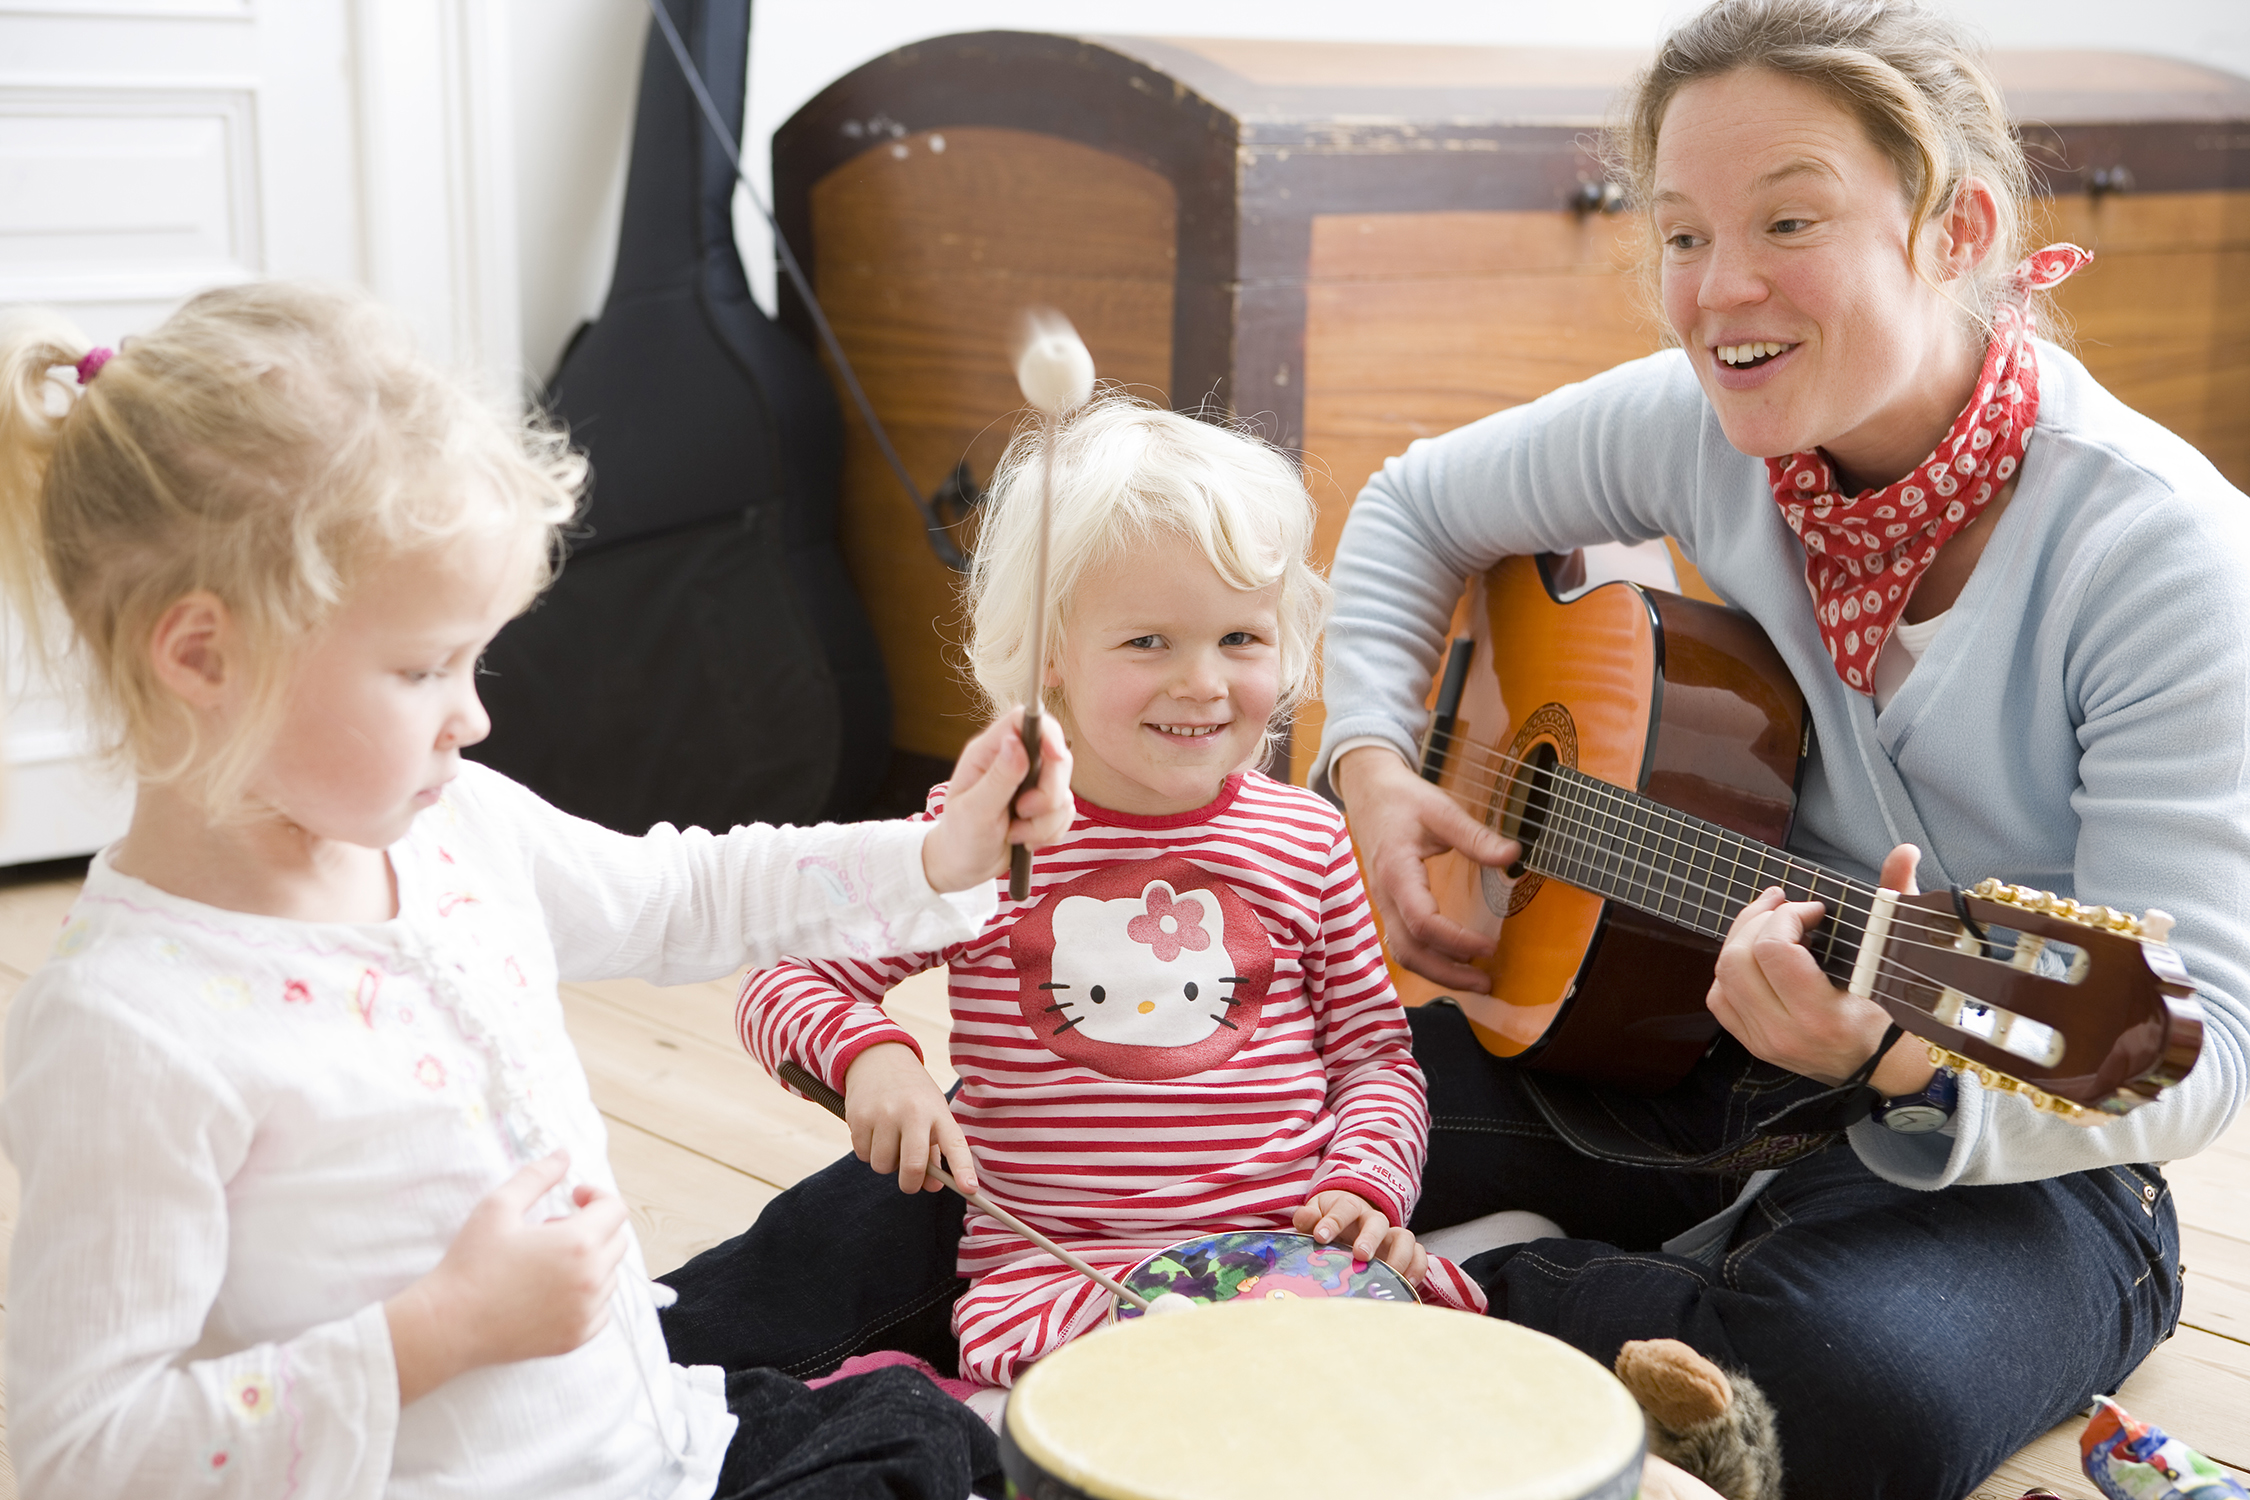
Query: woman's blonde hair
point(268, 443)
point(1912, 80)
point(1125, 473)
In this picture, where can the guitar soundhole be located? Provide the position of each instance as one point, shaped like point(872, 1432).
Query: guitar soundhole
point(1521, 801)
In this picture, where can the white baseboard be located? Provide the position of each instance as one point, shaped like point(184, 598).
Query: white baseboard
point(56, 804)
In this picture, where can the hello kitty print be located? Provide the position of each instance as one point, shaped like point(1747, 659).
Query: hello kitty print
point(1864, 553)
point(1148, 970)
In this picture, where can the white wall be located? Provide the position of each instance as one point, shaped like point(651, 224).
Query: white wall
point(577, 67)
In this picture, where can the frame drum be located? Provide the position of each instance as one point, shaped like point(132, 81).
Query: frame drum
point(1299, 1398)
point(1268, 1263)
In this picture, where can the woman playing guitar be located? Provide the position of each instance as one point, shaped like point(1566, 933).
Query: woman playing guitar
point(2013, 607)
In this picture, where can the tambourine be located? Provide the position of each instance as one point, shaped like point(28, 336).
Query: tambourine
point(1294, 1397)
point(1266, 1264)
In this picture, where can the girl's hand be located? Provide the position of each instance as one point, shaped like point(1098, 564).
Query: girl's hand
point(1337, 1214)
point(507, 1289)
point(1773, 997)
point(969, 843)
point(1398, 820)
point(899, 1119)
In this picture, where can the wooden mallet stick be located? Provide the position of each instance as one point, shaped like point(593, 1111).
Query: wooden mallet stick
point(828, 1099)
point(1056, 375)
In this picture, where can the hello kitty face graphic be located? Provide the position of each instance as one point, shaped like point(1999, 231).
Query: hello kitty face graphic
point(1149, 970)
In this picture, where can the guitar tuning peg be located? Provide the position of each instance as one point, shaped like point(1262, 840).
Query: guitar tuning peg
point(2156, 926)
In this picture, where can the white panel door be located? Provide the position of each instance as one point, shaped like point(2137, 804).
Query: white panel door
point(152, 148)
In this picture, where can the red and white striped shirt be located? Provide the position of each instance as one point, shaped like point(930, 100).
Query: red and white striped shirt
point(1186, 1027)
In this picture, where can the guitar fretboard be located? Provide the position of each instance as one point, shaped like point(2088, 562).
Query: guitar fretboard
point(1670, 864)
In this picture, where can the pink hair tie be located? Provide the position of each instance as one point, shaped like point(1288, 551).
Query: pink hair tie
point(91, 365)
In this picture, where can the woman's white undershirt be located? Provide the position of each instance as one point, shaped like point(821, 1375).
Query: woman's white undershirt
point(1900, 653)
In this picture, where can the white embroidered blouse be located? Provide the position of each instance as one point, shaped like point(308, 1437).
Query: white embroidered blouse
point(238, 1135)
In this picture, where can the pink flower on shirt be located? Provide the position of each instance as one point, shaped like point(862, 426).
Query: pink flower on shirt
point(1169, 925)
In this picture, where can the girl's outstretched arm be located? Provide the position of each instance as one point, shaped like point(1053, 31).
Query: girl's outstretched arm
point(677, 907)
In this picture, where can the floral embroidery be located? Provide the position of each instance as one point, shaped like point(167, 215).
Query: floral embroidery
point(515, 974)
point(296, 992)
point(253, 1397)
point(429, 1072)
point(73, 938)
point(219, 1459)
point(453, 901)
point(171, 952)
point(835, 882)
point(1169, 925)
point(363, 996)
point(224, 992)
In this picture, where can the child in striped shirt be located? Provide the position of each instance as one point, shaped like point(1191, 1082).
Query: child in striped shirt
point(1187, 1025)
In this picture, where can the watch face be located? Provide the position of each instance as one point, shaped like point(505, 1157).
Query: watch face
point(1917, 1118)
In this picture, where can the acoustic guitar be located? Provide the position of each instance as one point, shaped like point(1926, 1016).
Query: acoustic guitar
point(1644, 750)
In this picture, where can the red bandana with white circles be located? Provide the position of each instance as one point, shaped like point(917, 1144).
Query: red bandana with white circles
point(1864, 553)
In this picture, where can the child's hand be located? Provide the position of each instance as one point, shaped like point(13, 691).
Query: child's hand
point(1337, 1214)
point(507, 1289)
point(899, 1119)
point(969, 843)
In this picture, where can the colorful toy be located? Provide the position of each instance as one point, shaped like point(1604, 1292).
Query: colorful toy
point(2130, 1460)
point(1259, 1263)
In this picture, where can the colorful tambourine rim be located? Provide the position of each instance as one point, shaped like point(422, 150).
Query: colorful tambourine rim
point(1266, 1263)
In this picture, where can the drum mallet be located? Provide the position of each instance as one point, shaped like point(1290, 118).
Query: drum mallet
point(1056, 375)
point(1164, 1302)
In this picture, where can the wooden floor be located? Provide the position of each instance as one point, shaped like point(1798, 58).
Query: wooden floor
point(701, 1140)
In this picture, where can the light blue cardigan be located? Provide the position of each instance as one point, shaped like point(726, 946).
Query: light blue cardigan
point(2080, 724)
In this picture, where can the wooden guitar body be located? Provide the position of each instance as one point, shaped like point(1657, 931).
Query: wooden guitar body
point(1681, 700)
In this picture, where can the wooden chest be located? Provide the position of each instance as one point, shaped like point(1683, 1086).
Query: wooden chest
point(1355, 245)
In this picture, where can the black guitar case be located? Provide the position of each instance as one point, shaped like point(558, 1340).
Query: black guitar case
point(703, 659)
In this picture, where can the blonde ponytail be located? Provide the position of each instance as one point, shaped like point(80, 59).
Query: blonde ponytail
point(38, 392)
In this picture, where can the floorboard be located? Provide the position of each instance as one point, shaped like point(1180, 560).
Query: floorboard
point(701, 1140)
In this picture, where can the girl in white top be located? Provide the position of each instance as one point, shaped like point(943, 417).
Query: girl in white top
point(315, 1200)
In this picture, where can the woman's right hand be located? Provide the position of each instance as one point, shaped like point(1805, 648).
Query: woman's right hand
point(507, 1289)
point(1398, 820)
point(900, 1121)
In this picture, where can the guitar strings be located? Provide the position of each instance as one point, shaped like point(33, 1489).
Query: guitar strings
point(1681, 825)
point(1909, 929)
point(1890, 964)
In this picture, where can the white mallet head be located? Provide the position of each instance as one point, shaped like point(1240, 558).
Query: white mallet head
point(1163, 1304)
point(1052, 365)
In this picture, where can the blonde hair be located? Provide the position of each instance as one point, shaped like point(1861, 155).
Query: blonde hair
point(1910, 78)
point(268, 443)
point(1126, 472)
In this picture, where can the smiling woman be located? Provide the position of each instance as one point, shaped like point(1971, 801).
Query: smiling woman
point(2011, 605)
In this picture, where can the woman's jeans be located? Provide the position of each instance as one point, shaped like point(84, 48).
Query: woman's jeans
point(1909, 1341)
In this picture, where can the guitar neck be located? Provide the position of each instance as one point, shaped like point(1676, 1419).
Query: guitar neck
point(1696, 874)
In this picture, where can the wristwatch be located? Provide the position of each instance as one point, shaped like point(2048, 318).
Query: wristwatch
point(1919, 1114)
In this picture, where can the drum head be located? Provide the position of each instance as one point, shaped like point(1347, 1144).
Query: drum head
point(1271, 1265)
point(1301, 1398)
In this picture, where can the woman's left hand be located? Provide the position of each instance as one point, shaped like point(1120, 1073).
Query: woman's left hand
point(1772, 996)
